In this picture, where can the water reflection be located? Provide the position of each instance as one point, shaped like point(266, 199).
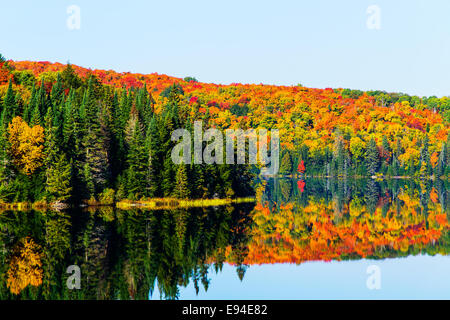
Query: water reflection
point(129, 254)
point(341, 220)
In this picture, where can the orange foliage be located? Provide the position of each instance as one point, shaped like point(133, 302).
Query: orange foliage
point(304, 115)
point(312, 232)
point(25, 267)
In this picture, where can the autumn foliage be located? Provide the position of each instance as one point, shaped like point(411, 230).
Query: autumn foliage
point(297, 234)
point(306, 117)
point(26, 145)
point(25, 267)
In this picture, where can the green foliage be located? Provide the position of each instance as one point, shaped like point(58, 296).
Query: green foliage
point(58, 183)
point(172, 89)
point(286, 163)
point(239, 110)
point(372, 157)
point(190, 79)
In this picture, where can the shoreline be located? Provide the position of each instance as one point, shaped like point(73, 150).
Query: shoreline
point(148, 204)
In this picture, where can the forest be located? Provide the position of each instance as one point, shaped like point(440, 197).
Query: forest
point(71, 134)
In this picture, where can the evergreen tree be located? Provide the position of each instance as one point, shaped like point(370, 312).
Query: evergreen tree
point(57, 93)
point(69, 78)
point(96, 166)
point(9, 104)
point(58, 171)
point(154, 160)
point(181, 190)
point(372, 157)
point(425, 156)
point(286, 164)
point(58, 182)
point(137, 156)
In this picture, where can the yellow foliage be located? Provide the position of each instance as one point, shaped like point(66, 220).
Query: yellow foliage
point(25, 267)
point(26, 145)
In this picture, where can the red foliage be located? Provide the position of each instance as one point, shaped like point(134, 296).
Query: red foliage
point(301, 185)
point(4, 74)
point(193, 100)
point(301, 167)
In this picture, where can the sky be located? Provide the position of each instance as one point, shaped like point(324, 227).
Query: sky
point(412, 277)
point(402, 46)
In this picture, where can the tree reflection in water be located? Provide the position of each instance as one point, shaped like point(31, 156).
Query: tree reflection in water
point(127, 254)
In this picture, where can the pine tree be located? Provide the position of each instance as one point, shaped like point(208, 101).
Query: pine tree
point(440, 168)
point(340, 155)
point(58, 179)
point(181, 190)
point(69, 78)
point(200, 182)
point(395, 161)
point(372, 157)
point(58, 170)
point(42, 101)
point(57, 93)
point(425, 157)
point(154, 160)
point(30, 105)
point(9, 103)
point(286, 164)
point(95, 154)
point(136, 171)
point(35, 118)
point(168, 177)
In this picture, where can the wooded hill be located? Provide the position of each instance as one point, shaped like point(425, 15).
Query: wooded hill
point(69, 132)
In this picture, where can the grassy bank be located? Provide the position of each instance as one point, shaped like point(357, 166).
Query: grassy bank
point(157, 203)
point(172, 203)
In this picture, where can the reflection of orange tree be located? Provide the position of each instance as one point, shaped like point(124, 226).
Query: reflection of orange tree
point(25, 267)
point(315, 232)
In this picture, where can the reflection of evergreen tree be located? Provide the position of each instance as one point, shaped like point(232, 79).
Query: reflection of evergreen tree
point(371, 195)
point(126, 254)
point(286, 188)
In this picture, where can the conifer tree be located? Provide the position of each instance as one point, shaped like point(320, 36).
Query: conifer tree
point(9, 103)
point(372, 157)
point(95, 155)
point(58, 179)
point(154, 165)
point(57, 169)
point(137, 156)
point(57, 93)
point(286, 164)
point(181, 190)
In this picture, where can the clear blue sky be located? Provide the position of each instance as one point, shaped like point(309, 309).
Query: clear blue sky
point(322, 43)
point(413, 277)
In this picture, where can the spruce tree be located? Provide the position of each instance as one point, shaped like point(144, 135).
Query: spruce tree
point(57, 93)
point(136, 171)
point(58, 171)
point(154, 160)
point(9, 103)
point(372, 157)
point(286, 164)
point(95, 154)
point(181, 190)
point(58, 179)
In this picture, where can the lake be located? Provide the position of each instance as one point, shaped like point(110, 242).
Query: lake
point(312, 239)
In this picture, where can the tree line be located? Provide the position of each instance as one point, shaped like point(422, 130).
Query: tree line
point(77, 139)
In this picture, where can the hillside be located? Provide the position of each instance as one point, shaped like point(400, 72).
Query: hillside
point(330, 131)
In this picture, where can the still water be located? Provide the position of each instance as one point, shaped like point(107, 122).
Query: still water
point(313, 239)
